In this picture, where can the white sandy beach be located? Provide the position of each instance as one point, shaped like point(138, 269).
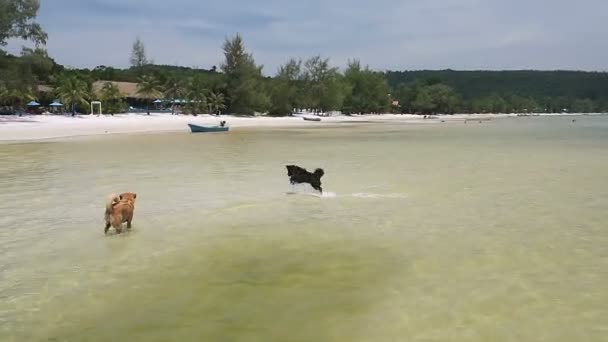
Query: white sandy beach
point(43, 127)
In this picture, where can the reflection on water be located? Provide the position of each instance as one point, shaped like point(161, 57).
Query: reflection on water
point(491, 232)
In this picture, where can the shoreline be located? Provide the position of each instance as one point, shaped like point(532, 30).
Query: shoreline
point(33, 128)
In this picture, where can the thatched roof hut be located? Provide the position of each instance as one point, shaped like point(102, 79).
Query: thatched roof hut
point(127, 89)
point(45, 89)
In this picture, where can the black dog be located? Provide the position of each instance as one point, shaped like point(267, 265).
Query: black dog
point(300, 175)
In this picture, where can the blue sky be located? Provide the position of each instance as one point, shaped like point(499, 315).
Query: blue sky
point(386, 34)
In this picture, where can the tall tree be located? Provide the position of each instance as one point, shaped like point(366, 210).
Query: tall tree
point(367, 90)
point(520, 104)
point(3, 93)
point(445, 98)
point(498, 103)
point(435, 98)
point(286, 93)
point(23, 74)
point(583, 106)
point(111, 96)
point(216, 102)
point(324, 87)
point(406, 94)
point(73, 91)
point(481, 105)
point(243, 78)
point(36, 63)
point(18, 95)
point(138, 54)
point(423, 102)
point(197, 94)
point(148, 87)
point(17, 21)
point(174, 89)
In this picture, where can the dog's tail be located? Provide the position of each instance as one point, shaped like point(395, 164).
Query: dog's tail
point(319, 173)
point(112, 200)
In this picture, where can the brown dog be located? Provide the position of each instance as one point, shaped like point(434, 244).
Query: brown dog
point(119, 209)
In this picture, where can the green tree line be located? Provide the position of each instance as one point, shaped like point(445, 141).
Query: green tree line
point(502, 91)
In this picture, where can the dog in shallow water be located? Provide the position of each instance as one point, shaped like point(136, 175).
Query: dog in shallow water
point(119, 209)
point(299, 175)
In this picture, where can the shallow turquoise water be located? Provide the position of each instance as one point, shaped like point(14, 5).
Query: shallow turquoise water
point(477, 232)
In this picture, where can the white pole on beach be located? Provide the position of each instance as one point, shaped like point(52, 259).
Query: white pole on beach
point(96, 103)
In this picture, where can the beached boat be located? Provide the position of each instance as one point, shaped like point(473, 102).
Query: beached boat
point(311, 119)
point(206, 129)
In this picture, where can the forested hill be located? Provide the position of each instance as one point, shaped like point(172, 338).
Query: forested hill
point(535, 84)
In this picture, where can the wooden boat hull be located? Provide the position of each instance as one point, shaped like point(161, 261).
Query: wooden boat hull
point(311, 119)
point(207, 129)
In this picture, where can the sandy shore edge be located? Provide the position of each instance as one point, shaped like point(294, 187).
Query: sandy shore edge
point(46, 127)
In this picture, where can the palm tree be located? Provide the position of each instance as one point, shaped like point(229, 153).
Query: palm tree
point(216, 102)
point(18, 95)
point(4, 95)
point(197, 92)
point(110, 93)
point(148, 87)
point(174, 89)
point(73, 91)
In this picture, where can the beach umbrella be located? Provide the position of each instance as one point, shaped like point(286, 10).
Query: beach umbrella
point(56, 104)
point(158, 101)
point(33, 104)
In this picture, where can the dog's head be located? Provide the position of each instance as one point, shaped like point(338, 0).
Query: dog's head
point(128, 196)
point(291, 170)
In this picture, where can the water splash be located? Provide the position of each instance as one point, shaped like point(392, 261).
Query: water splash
point(306, 189)
point(373, 195)
point(327, 194)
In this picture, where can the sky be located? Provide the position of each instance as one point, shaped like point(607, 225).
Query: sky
point(384, 34)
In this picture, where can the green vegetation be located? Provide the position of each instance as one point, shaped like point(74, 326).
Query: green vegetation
point(324, 87)
point(507, 91)
point(149, 87)
point(17, 21)
point(196, 95)
point(73, 91)
point(368, 90)
point(286, 91)
point(173, 90)
point(243, 79)
point(241, 88)
point(112, 98)
point(216, 103)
